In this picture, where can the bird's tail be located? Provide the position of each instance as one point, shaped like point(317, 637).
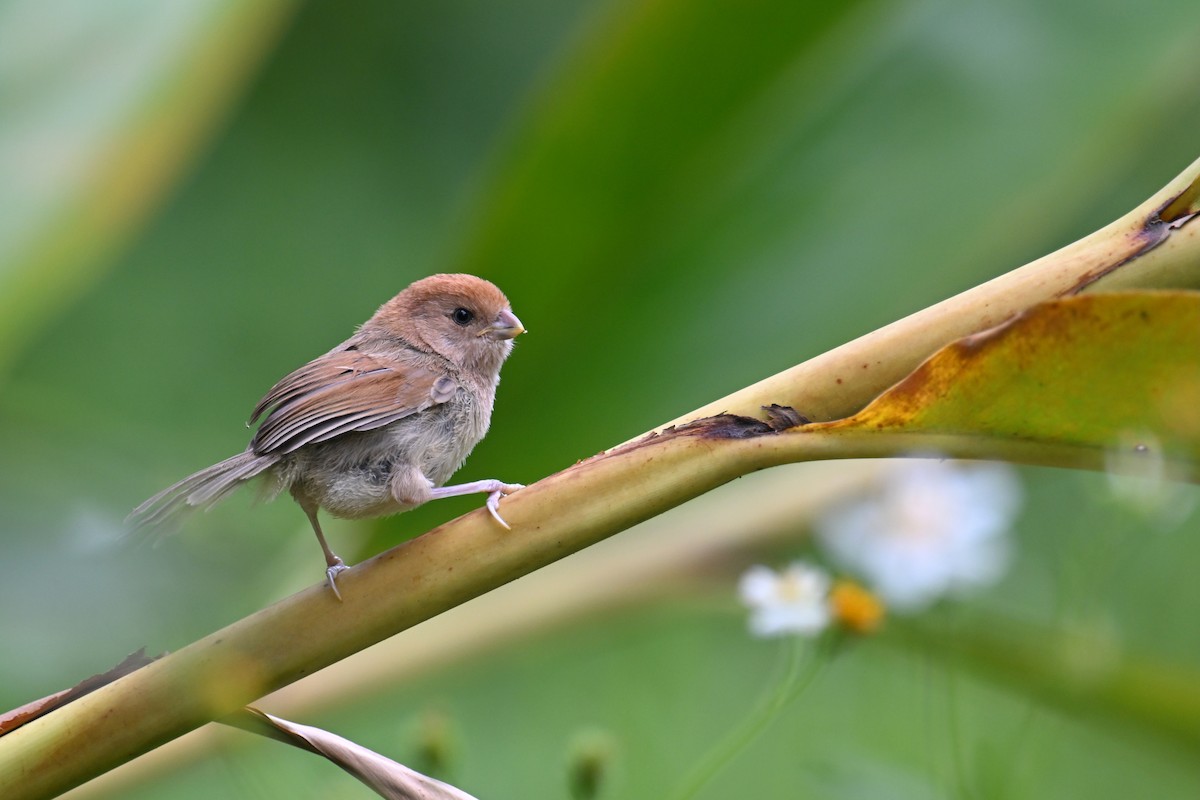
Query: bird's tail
point(201, 490)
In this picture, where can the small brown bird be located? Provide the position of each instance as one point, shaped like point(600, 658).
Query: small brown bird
point(378, 424)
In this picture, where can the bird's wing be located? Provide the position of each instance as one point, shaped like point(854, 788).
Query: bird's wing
point(340, 392)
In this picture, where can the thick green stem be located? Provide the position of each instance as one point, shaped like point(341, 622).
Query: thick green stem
point(393, 591)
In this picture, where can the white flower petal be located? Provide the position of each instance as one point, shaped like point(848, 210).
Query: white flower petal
point(792, 601)
point(757, 586)
point(932, 527)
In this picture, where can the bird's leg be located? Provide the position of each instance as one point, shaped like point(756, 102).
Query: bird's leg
point(495, 490)
point(334, 564)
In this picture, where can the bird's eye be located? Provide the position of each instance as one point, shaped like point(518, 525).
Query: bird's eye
point(462, 316)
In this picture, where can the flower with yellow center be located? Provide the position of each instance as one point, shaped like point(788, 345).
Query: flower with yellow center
point(794, 600)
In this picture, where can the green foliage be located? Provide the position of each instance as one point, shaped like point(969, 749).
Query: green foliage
point(1095, 375)
point(103, 107)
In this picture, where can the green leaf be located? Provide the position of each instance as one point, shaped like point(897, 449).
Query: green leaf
point(100, 116)
point(633, 124)
point(1089, 373)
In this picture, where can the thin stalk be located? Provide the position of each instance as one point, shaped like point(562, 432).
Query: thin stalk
point(798, 675)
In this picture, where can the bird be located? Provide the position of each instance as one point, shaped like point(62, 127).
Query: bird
point(377, 425)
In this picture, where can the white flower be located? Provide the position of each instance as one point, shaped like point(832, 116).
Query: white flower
point(932, 528)
point(792, 601)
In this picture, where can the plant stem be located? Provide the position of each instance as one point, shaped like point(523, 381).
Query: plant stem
point(797, 676)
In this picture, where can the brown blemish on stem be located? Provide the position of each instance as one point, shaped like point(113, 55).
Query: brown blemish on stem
point(723, 426)
point(780, 418)
point(11, 720)
point(1158, 227)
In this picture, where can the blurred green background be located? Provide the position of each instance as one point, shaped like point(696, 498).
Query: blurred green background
point(679, 198)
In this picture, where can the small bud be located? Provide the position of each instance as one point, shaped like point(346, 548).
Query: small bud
point(435, 743)
point(589, 763)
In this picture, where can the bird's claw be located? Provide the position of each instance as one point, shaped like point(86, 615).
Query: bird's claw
point(335, 568)
point(493, 501)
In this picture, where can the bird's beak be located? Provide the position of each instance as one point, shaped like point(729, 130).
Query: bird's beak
point(506, 326)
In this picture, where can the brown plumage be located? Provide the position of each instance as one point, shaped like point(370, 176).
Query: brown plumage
point(378, 424)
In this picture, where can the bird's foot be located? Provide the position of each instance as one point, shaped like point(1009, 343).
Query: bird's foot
point(495, 490)
point(336, 567)
point(493, 501)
